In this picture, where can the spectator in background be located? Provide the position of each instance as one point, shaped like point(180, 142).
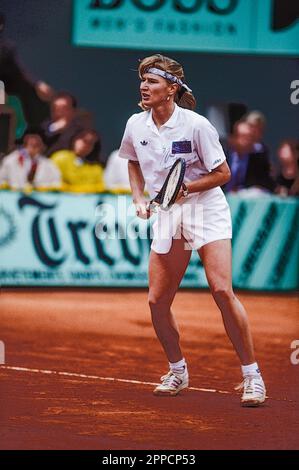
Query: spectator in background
point(65, 122)
point(249, 168)
point(257, 122)
point(79, 167)
point(116, 174)
point(288, 178)
point(34, 95)
point(27, 168)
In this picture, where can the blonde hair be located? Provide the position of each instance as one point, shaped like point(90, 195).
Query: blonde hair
point(255, 117)
point(185, 100)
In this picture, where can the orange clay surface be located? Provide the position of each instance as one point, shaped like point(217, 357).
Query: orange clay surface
point(107, 334)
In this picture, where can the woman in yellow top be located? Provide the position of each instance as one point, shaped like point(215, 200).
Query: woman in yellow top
point(79, 167)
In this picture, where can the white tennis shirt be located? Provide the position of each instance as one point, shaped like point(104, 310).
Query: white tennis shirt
point(185, 135)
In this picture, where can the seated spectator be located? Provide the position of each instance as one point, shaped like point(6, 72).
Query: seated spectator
point(287, 180)
point(116, 174)
point(27, 168)
point(79, 167)
point(65, 122)
point(249, 168)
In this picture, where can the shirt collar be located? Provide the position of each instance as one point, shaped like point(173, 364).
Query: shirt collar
point(25, 155)
point(172, 121)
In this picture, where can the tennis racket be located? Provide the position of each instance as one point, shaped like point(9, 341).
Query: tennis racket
point(169, 191)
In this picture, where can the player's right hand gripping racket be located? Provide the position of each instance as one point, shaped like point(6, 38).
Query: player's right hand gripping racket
point(169, 191)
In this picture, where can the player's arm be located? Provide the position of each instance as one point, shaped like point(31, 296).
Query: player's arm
point(211, 153)
point(137, 186)
point(217, 177)
point(136, 181)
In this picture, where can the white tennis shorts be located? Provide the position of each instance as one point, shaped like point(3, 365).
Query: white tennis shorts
point(200, 218)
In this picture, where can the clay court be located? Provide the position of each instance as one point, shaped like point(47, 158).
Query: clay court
point(81, 365)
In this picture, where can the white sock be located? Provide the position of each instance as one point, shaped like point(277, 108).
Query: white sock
point(250, 369)
point(179, 366)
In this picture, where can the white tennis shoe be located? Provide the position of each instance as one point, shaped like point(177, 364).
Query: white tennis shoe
point(172, 383)
point(254, 390)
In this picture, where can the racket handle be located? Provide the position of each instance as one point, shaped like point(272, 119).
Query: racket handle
point(153, 205)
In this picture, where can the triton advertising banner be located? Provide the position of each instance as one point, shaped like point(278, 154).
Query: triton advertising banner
point(240, 26)
point(53, 239)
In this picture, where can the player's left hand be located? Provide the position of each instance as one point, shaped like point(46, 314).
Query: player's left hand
point(183, 192)
point(180, 195)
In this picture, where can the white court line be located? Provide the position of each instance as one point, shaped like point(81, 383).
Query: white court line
point(97, 377)
point(113, 379)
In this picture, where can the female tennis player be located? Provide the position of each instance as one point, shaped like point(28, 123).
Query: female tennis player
point(166, 130)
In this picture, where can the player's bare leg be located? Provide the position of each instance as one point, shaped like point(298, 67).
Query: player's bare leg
point(165, 274)
point(216, 257)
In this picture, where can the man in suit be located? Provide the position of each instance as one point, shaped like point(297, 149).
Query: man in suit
point(65, 122)
point(249, 164)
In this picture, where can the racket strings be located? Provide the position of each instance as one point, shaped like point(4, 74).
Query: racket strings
point(172, 185)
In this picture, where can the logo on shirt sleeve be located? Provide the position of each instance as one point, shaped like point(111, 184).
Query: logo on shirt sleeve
point(143, 142)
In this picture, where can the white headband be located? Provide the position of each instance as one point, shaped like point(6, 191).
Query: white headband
point(168, 76)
